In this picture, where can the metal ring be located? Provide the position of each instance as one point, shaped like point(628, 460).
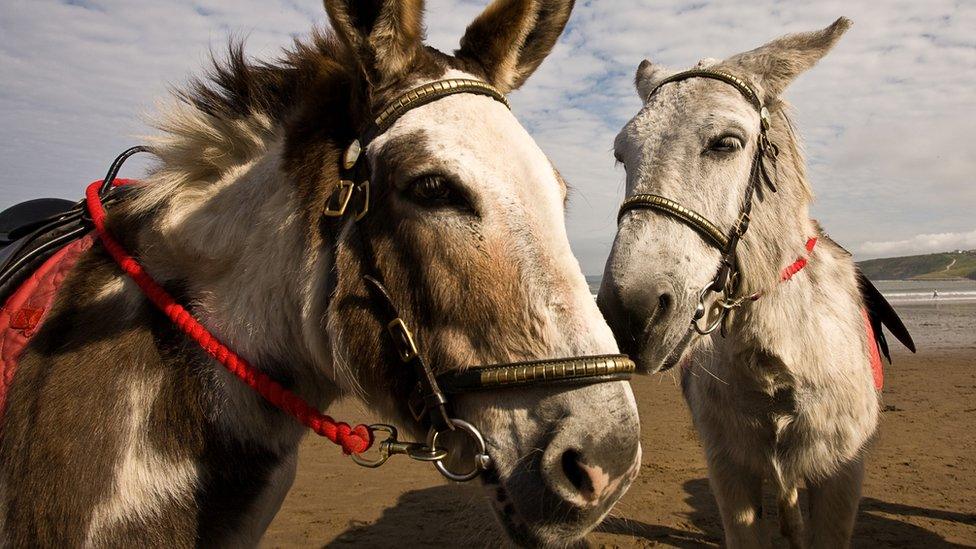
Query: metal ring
point(481, 458)
point(701, 311)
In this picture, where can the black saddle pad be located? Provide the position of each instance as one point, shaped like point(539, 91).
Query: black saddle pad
point(21, 219)
point(32, 231)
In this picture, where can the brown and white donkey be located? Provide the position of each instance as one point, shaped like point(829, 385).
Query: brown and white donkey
point(121, 431)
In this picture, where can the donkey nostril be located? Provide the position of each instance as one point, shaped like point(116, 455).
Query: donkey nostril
point(664, 302)
point(578, 476)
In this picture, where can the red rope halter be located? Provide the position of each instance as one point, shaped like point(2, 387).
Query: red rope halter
point(800, 262)
point(354, 440)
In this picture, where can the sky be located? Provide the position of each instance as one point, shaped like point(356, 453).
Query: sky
point(887, 118)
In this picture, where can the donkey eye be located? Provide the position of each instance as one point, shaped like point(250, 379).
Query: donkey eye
point(435, 191)
point(726, 144)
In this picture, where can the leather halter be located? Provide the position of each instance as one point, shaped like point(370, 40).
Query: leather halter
point(428, 402)
point(727, 277)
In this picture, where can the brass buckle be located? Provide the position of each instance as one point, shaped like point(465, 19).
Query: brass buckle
point(363, 188)
point(345, 194)
point(403, 339)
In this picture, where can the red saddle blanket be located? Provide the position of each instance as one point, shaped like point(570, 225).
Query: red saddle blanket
point(877, 368)
point(27, 307)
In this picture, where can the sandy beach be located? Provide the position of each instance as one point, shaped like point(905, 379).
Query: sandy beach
point(920, 488)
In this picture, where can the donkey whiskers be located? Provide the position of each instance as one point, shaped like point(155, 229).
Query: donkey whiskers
point(709, 372)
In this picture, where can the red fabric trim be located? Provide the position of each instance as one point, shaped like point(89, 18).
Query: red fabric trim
point(877, 367)
point(26, 308)
point(352, 439)
point(26, 318)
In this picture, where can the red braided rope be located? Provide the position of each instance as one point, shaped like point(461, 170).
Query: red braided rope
point(353, 440)
point(800, 263)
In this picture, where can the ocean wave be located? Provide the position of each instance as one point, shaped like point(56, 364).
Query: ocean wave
point(919, 297)
point(928, 296)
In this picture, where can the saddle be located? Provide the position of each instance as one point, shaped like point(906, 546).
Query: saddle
point(40, 241)
point(30, 233)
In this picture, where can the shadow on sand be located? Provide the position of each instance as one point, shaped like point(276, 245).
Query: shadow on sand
point(879, 523)
point(454, 516)
point(441, 516)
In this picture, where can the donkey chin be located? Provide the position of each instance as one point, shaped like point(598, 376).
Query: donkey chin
point(557, 468)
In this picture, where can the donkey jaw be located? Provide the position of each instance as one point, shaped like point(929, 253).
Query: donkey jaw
point(522, 534)
point(557, 467)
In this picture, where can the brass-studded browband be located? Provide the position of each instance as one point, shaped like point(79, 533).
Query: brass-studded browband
point(744, 88)
point(583, 370)
point(428, 93)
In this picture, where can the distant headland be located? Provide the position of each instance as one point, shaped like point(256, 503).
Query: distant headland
point(958, 264)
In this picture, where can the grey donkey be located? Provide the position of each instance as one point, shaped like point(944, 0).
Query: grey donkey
point(789, 394)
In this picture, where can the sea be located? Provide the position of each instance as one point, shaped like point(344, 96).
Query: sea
point(900, 292)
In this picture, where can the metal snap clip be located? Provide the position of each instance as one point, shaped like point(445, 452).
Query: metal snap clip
point(406, 347)
point(391, 447)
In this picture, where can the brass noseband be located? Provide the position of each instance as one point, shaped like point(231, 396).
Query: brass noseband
point(692, 218)
point(572, 370)
point(428, 402)
point(726, 279)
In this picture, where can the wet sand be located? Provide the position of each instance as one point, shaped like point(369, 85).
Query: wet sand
point(920, 487)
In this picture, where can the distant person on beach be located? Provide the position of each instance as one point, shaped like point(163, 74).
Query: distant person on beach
point(935, 294)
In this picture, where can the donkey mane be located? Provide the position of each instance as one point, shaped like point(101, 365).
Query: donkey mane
point(224, 118)
point(229, 115)
point(235, 87)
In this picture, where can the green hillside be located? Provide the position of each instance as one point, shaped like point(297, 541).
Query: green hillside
point(922, 267)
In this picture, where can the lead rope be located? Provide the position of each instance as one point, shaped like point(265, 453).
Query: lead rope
point(353, 440)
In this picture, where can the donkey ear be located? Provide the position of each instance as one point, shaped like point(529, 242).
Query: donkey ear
point(511, 38)
point(384, 35)
point(648, 76)
point(779, 62)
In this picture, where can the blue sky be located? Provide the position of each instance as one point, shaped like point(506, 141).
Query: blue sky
point(886, 117)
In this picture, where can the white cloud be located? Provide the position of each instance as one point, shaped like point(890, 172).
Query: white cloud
point(923, 243)
point(886, 117)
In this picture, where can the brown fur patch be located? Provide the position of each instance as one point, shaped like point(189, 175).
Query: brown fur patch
point(67, 422)
point(62, 407)
point(429, 275)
